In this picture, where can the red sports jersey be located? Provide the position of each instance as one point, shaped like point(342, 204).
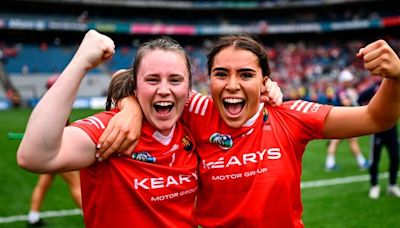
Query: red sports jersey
point(154, 188)
point(250, 176)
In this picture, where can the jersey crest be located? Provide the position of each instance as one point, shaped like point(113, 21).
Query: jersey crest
point(223, 141)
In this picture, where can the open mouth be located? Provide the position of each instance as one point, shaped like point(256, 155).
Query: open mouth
point(233, 105)
point(163, 107)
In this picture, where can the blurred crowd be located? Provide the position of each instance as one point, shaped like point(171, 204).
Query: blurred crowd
point(304, 70)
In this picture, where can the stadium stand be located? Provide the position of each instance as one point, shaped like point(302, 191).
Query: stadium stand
point(308, 41)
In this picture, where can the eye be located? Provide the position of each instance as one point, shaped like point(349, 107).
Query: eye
point(220, 74)
point(176, 80)
point(246, 75)
point(152, 80)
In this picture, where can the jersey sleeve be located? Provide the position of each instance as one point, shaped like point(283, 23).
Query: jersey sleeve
point(94, 125)
point(199, 113)
point(307, 118)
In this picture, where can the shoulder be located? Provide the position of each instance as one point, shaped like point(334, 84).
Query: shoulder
point(198, 103)
point(299, 106)
point(98, 120)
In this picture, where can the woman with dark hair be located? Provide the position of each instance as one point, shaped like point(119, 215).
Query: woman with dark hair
point(251, 153)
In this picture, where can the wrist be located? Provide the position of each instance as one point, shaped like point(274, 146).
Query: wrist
point(130, 102)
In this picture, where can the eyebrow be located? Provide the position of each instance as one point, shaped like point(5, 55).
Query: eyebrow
point(240, 70)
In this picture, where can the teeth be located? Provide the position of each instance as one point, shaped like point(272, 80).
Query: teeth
point(164, 103)
point(233, 100)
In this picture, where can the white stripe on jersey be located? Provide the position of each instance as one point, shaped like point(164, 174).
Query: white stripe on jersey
point(308, 106)
point(302, 106)
point(204, 108)
point(194, 101)
point(199, 104)
point(295, 104)
point(96, 121)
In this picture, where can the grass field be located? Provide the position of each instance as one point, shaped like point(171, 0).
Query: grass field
point(335, 205)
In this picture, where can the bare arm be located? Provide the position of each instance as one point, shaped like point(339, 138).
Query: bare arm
point(383, 110)
point(47, 145)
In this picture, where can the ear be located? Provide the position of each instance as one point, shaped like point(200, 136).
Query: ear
point(264, 84)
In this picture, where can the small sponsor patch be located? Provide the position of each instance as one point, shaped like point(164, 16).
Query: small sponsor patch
point(144, 156)
point(224, 141)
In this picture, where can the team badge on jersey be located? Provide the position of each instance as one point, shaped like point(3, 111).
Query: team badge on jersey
point(187, 143)
point(265, 115)
point(223, 141)
point(144, 156)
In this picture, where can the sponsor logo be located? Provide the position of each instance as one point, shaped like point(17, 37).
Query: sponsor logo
point(144, 156)
point(223, 141)
point(187, 143)
point(164, 182)
point(253, 157)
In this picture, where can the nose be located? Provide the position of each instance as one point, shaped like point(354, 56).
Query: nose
point(164, 88)
point(233, 84)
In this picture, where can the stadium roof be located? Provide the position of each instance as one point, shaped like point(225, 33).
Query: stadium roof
point(204, 4)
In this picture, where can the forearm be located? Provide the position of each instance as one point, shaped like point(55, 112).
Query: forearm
point(384, 107)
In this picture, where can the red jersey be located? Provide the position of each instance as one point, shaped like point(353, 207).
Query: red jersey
point(250, 176)
point(156, 187)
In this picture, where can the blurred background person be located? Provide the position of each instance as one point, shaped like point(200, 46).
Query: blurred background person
point(389, 139)
point(46, 180)
point(346, 96)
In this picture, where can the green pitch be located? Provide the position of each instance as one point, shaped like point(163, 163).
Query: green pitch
point(338, 205)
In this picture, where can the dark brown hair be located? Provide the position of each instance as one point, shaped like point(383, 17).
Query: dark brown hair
point(163, 43)
point(121, 86)
point(244, 42)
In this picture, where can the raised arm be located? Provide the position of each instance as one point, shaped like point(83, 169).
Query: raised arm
point(383, 111)
point(49, 146)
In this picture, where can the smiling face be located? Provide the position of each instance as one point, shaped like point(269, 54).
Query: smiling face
point(162, 87)
point(236, 82)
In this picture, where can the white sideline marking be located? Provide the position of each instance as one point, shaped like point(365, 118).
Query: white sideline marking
point(340, 180)
point(307, 184)
point(45, 214)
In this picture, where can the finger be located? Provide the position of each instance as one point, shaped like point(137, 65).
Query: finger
point(128, 152)
point(378, 71)
point(279, 100)
point(373, 55)
point(264, 98)
point(107, 143)
point(110, 150)
point(360, 53)
point(126, 145)
point(372, 65)
point(115, 147)
point(275, 95)
point(105, 135)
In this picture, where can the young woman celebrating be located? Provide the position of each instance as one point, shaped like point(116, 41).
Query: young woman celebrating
point(154, 186)
point(251, 153)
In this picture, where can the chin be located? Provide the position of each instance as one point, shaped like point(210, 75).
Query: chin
point(234, 123)
point(165, 127)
